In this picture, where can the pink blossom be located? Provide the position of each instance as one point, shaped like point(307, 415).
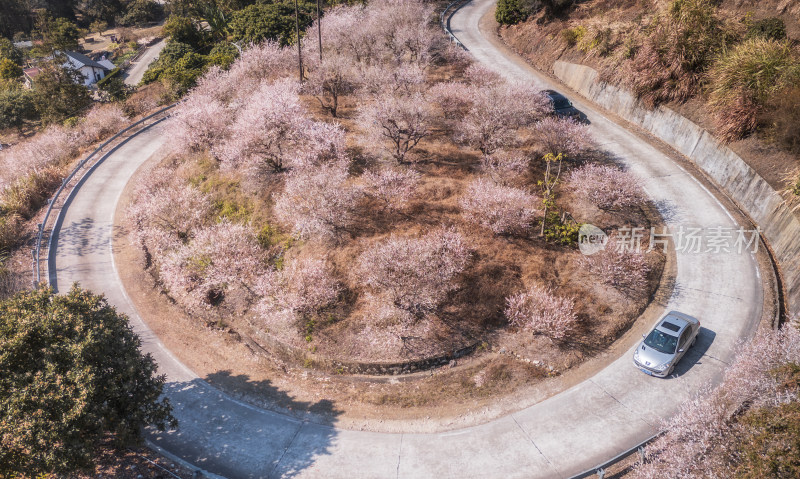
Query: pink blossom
point(397, 121)
point(303, 286)
point(317, 202)
point(497, 112)
point(567, 136)
point(199, 123)
point(414, 274)
point(100, 123)
point(505, 167)
point(605, 186)
point(393, 186)
point(501, 209)
point(542, 311)
point(618, 266)
point(219, 258)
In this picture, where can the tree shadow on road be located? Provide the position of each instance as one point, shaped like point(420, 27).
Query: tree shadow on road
point(226, 436)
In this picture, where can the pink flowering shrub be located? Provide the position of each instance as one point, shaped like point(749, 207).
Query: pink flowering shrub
point(318, 202)
point(164, 215)
point(606, 187)
point(100, 123)
point(501, 209)
point(217, 259)
point(505, 167)
point(303, 286)
point(398, 122)
point(540, 310)
point(392, 186)
point(481, 76)
point(497, 112)
point(566, 136)
point(199, 123)
point(453, 98)
point(331, 78)
point(618, 265)
point(414, 274)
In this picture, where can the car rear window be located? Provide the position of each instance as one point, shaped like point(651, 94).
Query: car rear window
point(670, 326)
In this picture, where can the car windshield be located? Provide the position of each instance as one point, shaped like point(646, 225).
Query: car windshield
point(559, 102)
point(662, 342)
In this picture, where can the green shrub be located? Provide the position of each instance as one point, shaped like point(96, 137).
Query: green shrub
point(768, 29)
point(743, 79)
point(573, 35)
point(511, 12)
point(267, 236)
point(231, 210)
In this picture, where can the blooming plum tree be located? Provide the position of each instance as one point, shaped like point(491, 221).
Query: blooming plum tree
point(397, 120)
point(331, 78)
point(504, 167)
point(498, 111)
point(606, 187)
point(393, 186)
point(619, 266)
point(317, 202)
point(540, 310)
point(303, 286)
point(267, 130)
point(415, 274)
point(501, 209)
point(565, 136)
point(159, 226)
point(220, 257)
point(200, 123)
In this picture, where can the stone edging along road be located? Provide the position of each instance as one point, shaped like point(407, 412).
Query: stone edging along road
point(565, 434)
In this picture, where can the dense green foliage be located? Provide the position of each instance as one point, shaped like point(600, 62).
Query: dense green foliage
point(56, 94)
point(269, 21)
point(73, 372)
point(140, 12)
point(16, 106)
point(768, 29)
point(9, 51)
point(511, 12)
point(184, 30)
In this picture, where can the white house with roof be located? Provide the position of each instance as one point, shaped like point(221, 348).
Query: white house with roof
point(92, 71)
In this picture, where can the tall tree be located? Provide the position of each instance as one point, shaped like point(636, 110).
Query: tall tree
point(73, 372)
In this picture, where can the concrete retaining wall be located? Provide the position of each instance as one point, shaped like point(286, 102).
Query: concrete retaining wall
point(780, 227)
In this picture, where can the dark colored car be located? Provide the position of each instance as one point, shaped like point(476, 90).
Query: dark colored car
point(563, 107)
point(660, 351)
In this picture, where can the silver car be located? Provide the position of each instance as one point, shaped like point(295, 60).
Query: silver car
point(660, 351)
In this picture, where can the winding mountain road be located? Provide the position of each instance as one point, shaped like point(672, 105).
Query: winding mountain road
point(565, 434)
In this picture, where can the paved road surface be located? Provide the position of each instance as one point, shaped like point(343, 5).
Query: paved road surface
point(136, 71)
point(562, 435)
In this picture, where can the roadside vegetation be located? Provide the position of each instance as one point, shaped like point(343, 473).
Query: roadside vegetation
point(74, 380)
point(738, 65)
point(386, 208)
point(749, 426)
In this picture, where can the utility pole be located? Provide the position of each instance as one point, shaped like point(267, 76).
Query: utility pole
point(299, 48)
point(319, 31)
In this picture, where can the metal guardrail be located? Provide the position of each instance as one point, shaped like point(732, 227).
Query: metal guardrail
point(600, 469)
point(446, 22)
point(42, 227)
